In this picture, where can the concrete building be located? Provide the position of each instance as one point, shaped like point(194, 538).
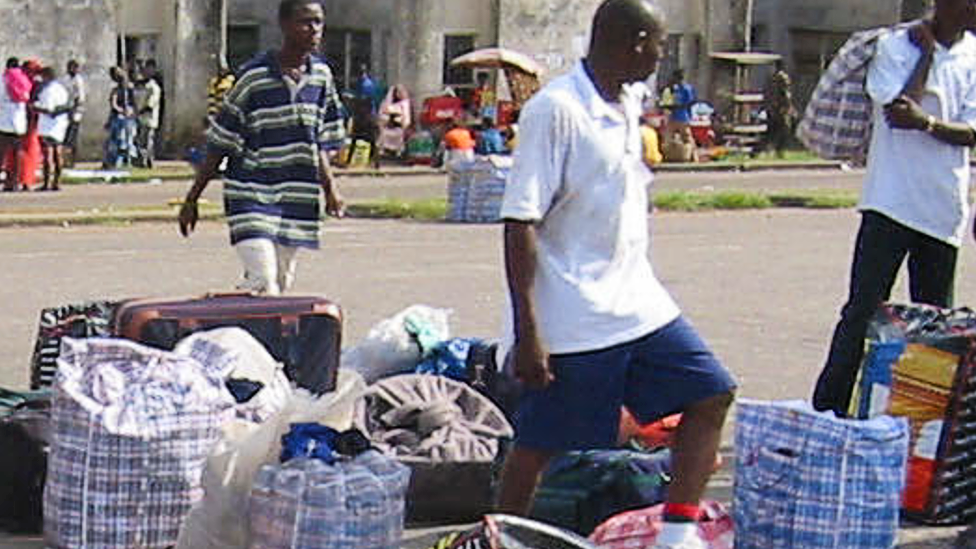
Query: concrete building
point(408, 41)
point(412, 41)
point(54, 31)
point(808, 32)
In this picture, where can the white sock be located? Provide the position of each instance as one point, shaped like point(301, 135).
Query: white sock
point(674, 533)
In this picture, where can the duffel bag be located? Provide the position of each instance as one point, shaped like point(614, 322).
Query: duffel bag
point(581, 489)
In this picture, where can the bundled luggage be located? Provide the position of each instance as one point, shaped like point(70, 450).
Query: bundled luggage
point(449, 435)
point(476, 189)
point(131, 428)
point(581, 489)
point(808, 480)
point(920, 365)
point(308, 504)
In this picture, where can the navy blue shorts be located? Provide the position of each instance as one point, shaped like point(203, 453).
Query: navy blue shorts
point(655, 376)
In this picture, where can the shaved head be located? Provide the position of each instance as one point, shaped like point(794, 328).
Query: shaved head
point(618, 23)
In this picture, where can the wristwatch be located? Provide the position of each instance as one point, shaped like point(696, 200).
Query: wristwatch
point(929, 124)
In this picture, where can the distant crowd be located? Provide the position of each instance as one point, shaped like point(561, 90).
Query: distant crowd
point(40, 116)
point(41, 113)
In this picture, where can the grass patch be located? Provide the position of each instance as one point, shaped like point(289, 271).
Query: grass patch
point(434, 209)
point(768, 157)
point(687, 201)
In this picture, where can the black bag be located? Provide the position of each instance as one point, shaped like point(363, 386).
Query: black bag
point(24, 419)
point(78, 320)
point(582, 489)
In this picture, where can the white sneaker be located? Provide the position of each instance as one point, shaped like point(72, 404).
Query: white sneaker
point(681, 535)
point(691, 542)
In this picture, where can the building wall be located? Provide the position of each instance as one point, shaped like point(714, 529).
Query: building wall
point(557, 32)
point(54, 31)
point(808, 33)
point(186, 46)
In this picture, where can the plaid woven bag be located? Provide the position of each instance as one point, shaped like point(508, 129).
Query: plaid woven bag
point(307, 504)
point(837, 122)
point(807, 480)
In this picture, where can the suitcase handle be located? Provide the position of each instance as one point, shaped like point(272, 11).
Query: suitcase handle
point(235, 293)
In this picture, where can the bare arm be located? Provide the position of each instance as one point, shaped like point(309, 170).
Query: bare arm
point(906, 114)
point(205, 173)
point(521, 261)
point(334, 204)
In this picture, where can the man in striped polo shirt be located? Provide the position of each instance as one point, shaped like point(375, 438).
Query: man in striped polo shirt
point(276, 128)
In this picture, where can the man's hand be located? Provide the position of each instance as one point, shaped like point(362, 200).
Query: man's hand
point(904, 113)
point(188, 218)
point(532, 364)
point(923, 37)
point(334, 204)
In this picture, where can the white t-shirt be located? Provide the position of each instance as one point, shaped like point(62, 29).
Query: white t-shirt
point(913, 178)
point(579, 175)
point(53, 96)
point(13, 116)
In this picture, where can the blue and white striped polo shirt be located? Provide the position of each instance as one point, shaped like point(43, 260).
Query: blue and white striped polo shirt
point(272, 134)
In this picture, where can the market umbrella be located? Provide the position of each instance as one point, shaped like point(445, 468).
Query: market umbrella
point(499, 58)
point(522, 71)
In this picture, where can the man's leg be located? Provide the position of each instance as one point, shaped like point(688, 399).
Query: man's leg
point(695, 445)
point(287, 257)
point(11, 145)
point(260, 264)
point(58, 152)
point(932, 271)
point(47, 155)
point(579, 410)
point(673, 370)
point(880, 249)
point(520, 476)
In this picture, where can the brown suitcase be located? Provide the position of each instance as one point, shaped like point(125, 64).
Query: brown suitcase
point(303, 333)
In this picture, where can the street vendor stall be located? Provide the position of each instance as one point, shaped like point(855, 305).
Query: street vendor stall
point(476, 188)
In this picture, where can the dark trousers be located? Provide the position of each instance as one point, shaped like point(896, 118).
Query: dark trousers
point(882, 245)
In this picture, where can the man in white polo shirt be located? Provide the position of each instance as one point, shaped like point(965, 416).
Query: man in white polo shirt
point(915, 201)
point(593, 328)
point(54, 107)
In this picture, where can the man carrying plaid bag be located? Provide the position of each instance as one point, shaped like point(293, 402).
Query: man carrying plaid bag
point(915, 203)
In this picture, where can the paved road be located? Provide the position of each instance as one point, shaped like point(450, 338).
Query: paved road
point(75, 197)
point(763, 287)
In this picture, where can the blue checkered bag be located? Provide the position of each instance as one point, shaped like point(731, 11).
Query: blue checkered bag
point(808, 480)
point(837, 122)
point(308, 504)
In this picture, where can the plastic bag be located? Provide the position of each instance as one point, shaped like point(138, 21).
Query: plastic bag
point(397, 344)
point(251, 362)
point(508, 532)
point(220, 520)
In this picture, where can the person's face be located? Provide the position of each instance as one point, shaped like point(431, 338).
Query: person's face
point(648, 52)
point(304, 28)
point(961, 12)
point(397, 94)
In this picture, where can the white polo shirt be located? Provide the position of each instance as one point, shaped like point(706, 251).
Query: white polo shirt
point(912, 177)
point(52, 97)
point(579, 175)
